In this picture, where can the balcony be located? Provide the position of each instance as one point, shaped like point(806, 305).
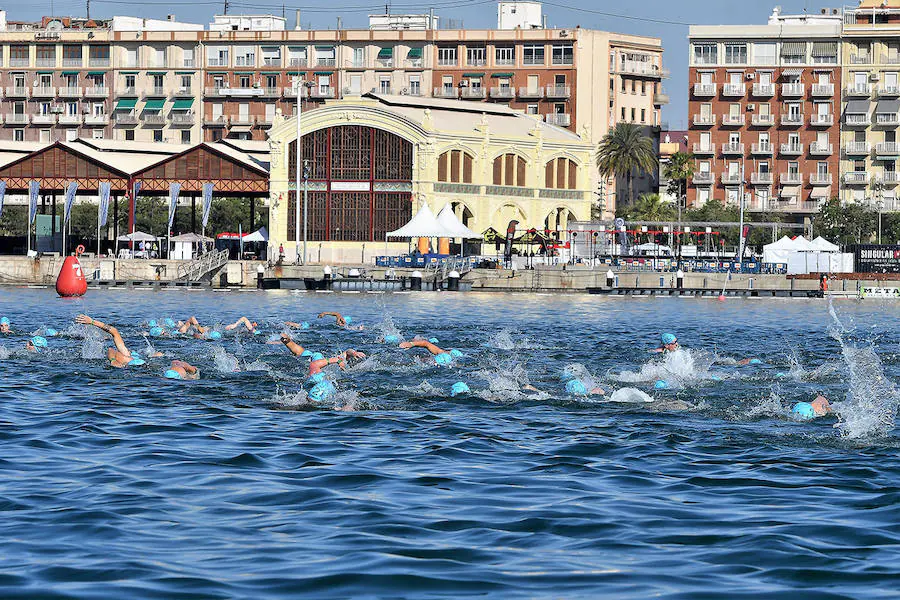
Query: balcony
point(127, 92)
point(297, 62)
point(217, 62)
point(72, 62)
point(156, 92)
point(821, 120)
point(660, 99)
point(702, 178)
point(531, 93)
point(887, 149)
point(319, 91)
point(97, 92)
point(705, 90)
point(646, 69)
point(817, 149)
point(731, 149)
point(793, 90)
point(184, 92)
point(43, 92)
point(762, 149)
point(446, 92)
point(887, 59)
point(819, 179)
point(704, 149)
point(558, 91)
point(891, 178)
point(70, 119)
point(235, 92)
point(47, 119)
point(473, 93)
point(242, 120)
point(45, 62)
point(888, 91)
point(16, 119)
point(96, 119)
point(763, 90)
point(220, 121)
point(501, 93)
point(124, 119)
point(729, 178)
point(857, 120)
point(856, 178)
point(823, 90)
point(384, 63)
point(734, 90)
point(271, 92)
point(18, 62)
point(860, 59)
point(857, 148)
point(153, 120)
point(98, 61)
point(70, 92)
point(274, 61)
point(187, 63)
point(325, 62)
point(887, 119)
point(733, 120)
point(792, 120)
point(559, 119)
point(790, 179)
point(858, 90)
point(762, 120)
point(704, 120)
point(182, 120)
point(414, 63)
point(792, 149)
point(762, 178)
point(291, 92)
point(17, 92)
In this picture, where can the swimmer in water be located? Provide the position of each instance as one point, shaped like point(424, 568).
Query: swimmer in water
point(341, 360)
point(669, 343)
point(340, 320)
point(441, 356)
point(749, 361)
point(5, 325)
point(118, 357)
point(293, 325)
point(295, 348)
point(182, 370)
point(819, 407)
point(251, 326)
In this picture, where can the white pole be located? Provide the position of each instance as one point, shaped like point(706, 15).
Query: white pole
point(299, 87)
point(741, 231)
point(305, 213)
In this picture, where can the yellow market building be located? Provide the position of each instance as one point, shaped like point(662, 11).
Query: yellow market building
point(369, 162)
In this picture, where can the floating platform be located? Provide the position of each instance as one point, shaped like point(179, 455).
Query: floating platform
point(351, 285)
point(708, 293)
point(124, 283)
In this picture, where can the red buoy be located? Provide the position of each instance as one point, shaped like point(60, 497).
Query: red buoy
point(71, 280)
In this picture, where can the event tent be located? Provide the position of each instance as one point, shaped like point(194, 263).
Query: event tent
point(260, 235)
point(803, 256)
point(448, 219)
point(422, 225)
point(183, 246)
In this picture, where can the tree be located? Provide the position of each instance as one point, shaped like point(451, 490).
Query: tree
point(847, 224)
point(624, 152)
point(649, 207)
point(677, 171)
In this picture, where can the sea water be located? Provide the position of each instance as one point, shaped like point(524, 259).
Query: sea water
point(122, 484)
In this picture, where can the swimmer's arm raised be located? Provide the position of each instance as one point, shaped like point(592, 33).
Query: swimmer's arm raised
point(422, 344)
point(295, 348)
point(120, 343)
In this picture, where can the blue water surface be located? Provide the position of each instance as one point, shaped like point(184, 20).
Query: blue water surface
point(123, 484)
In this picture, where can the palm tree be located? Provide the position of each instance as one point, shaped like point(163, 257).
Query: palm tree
point(624, 152)
point(677, 171)
point(650, 207)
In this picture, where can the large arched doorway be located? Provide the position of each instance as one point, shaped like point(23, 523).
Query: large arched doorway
point(360, 183)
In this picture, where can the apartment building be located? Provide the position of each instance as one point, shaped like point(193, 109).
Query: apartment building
point(871, 54)
point(762, 104)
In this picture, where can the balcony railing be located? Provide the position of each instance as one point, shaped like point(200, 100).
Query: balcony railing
point(793, 90)
point(184, 92)
point(888, 177)
point(127, 92)
point(734, 90)
point(703, 149)
point(559, 119)
point(533, 93)
point(858, 89)
point(704, 120)
point(96, 119)
point(155, 92)
point(325, 62)
point(220, 121)
point(660, 99)
point(790, 179)
point(702, 178)
point(856, 178)
point(731, 178)
point(43, 92)
point(45, 63)
point(242, 120)
point(765, 149)
point(763, 90)
point(271, 92)
point(72, 62)
point(792, 120)
point(125, 119)
point(384, 63)
point(502, 93)
point(297, 62)
point(818, 120)
point(97, 92)
point(823, 90)
point(762, 178)
point(188, 63)
point(16, 119)
point(705, 90)
point(758, 120)
point(729, 148)
point(733, 120)
point(321, 92)
point(820, 178)
point(46, 119)
point(446, 92)
point(857, 148)
point(858, 120)
point(885, 91)
point(473, 93)
point(182, 120)
point(558, 91)
point(16, 92)
point(887, 119)
point(70, 119)
point(792, 149)
point(272, 61)
point(887, 149)
point(817, 149)
point(98, 62)
point(153, 120)
point(18, 62)
point(887, 59)
point(70, 92)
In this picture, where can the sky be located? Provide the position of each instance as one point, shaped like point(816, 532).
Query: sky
point(666, 19)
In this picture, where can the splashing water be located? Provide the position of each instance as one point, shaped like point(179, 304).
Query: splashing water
point(224, 362)
point(93, 346)
point(387, 327)
point(678, 368)
point(4, 353)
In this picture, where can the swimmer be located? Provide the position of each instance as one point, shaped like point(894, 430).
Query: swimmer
point(295, 348)
point(749, 361)
point(251, 326)
point(340, 320)
point(669, 343)
point(577, 388)
point(118, 357)
point(5, 325)
point(441, 356)
point(293, 325)
point(341, 360)
point(35, 343)
point(182, 370)
point(819, 407)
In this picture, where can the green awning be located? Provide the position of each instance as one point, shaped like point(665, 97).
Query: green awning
point(414, 53)
point(156, 72)
point(183, 104)
point(96, 73)
point(296, 73)
point(217, 72)
point(473, 74)
point(120, 72)
point(126, 104)
point(185, 72)
point(323, 73)
point(385, 53)
point(77, 73)
point(45, 72)
point(154, 104)
point(245, 72)
point(324, 47)
point(502, 75)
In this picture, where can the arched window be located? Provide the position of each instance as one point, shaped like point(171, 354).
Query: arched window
point(561, 174)
point(509, 169)
point(455, 166)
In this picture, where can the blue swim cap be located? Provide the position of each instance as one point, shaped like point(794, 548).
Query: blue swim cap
point(577, 387)
point(780, 375)
point(173, 374)
point(715, 378)
point(136, 362)
point(668, 338)
point(433, 341)
point(316, 378)
point(50, 332)
point(304, 325)
point(306, 353)
point(257, 332)
point(391, 339)
point(170, 323)
point(4, 320)
point(348, 320)
point(156, 331)
point(804, 410)
point(456, 353)
point(443, 358)
point(39, 342)
point(152, 323)
point(317, 356)
point(459, 388)
point(215, 335)
point(661, 385)
point(755, 361)
point(321, 391)
point(135, 354)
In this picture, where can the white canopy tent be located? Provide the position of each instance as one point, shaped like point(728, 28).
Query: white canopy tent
point(183, 247)
point(448, 219)
point(260, 235)
point(137, 237)
point(803, 256)
point(423, 224)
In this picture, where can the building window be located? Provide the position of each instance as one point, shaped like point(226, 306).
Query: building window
point(97, 134)
point(643, 115)
point(447, 56)
point(271, 81)
point(793, 53)
point(533, 54)
point(505, 56)
point(531, 109)
point(186, 82)
point(244, 81)
point(217, 56)
point(633, 115)
point(476, 57)
point(623, 113)
point(562, 54)
point(415, 87)
point(158, 82)
point(705, 54)
point(271, 56)
point(384, 84)
point(736, 54)
point(185, 136)
point(44, 135)
point(18, 135)
point(561, 174)
point(129, 135)
point(509, 169)
point(245, 56)
point(359, 57)
point(455, 166)
point(129, 81)
point(157, 135)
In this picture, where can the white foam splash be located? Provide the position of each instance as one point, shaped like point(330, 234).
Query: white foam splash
point(4, 353)
point(223, 361)
point(94, 345)
point(678, 368)
point(628, 395)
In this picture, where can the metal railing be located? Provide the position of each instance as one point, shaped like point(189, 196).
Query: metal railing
point(206, 264)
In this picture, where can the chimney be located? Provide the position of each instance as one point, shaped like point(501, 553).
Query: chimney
point(297, 19)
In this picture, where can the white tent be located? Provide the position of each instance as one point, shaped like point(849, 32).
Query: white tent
point(824, 245)
point(137, 236)
point(260, 235)
point(184, 246)
point(423, 224)
point(448, 219)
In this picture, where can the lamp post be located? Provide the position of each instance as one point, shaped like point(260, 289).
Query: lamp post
point(878, 186)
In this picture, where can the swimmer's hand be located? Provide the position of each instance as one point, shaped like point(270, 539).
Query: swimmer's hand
point(285, 338)
point(406, 345)
point(84, 320)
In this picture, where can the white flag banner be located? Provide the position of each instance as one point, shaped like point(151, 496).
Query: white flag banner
point(103, 209)
point(70, 199)
point(34, 189)
point(207, 201)
point(2, 195)
point(174, 189)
